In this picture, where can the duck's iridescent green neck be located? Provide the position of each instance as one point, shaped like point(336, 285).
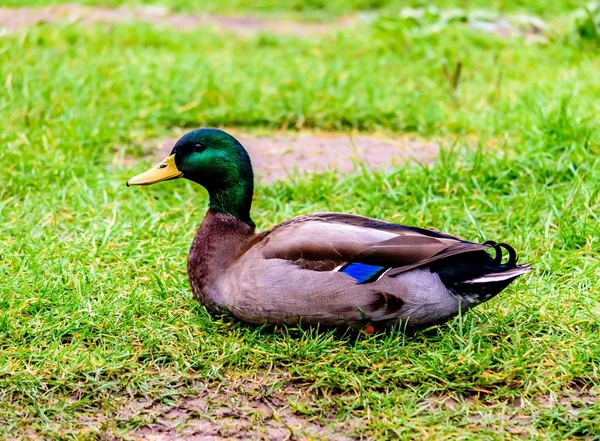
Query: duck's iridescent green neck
point(234, 199)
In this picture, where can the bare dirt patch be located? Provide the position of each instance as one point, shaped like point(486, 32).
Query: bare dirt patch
point(514, 415)
point(245, 409)
point(12, 19)
point(266, 406)
point(276, 156)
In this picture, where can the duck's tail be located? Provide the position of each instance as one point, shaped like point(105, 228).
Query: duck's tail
point(494, 277)
point(506, 276)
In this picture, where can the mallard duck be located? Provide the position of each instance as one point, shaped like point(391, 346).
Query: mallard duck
point(330, 269)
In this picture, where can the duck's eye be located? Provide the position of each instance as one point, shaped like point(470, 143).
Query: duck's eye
point(198, 147)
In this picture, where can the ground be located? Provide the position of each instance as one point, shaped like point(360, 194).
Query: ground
point(479, 122)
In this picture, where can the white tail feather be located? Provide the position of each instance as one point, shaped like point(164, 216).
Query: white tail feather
point(498, 277)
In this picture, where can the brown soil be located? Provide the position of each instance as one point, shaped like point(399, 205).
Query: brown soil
point(276, 156)
point(517, 414)
point(249, 409)
point(276, 406)
point(267, 406)
point(12, 19)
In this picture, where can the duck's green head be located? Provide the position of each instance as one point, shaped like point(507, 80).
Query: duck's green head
point(215, 160)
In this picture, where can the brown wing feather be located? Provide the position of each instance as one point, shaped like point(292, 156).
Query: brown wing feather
point(367, 222)
point(458, 248)
point(402, 248)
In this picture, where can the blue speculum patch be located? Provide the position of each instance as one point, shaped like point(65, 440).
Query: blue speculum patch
point(362, 272)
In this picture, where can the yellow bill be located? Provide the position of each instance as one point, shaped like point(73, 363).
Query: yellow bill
point(161, 172)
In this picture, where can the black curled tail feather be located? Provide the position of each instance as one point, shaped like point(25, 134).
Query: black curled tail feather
point(497, 249)
point(512, 254)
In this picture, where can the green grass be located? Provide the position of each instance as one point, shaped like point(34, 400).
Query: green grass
point(136, 79)
point(94, 304)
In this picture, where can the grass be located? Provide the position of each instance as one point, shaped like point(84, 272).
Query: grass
point(94, 306)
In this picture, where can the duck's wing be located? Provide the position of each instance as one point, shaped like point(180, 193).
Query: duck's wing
point(324, 241)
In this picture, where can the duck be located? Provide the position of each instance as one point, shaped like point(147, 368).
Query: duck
point(322, 269)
